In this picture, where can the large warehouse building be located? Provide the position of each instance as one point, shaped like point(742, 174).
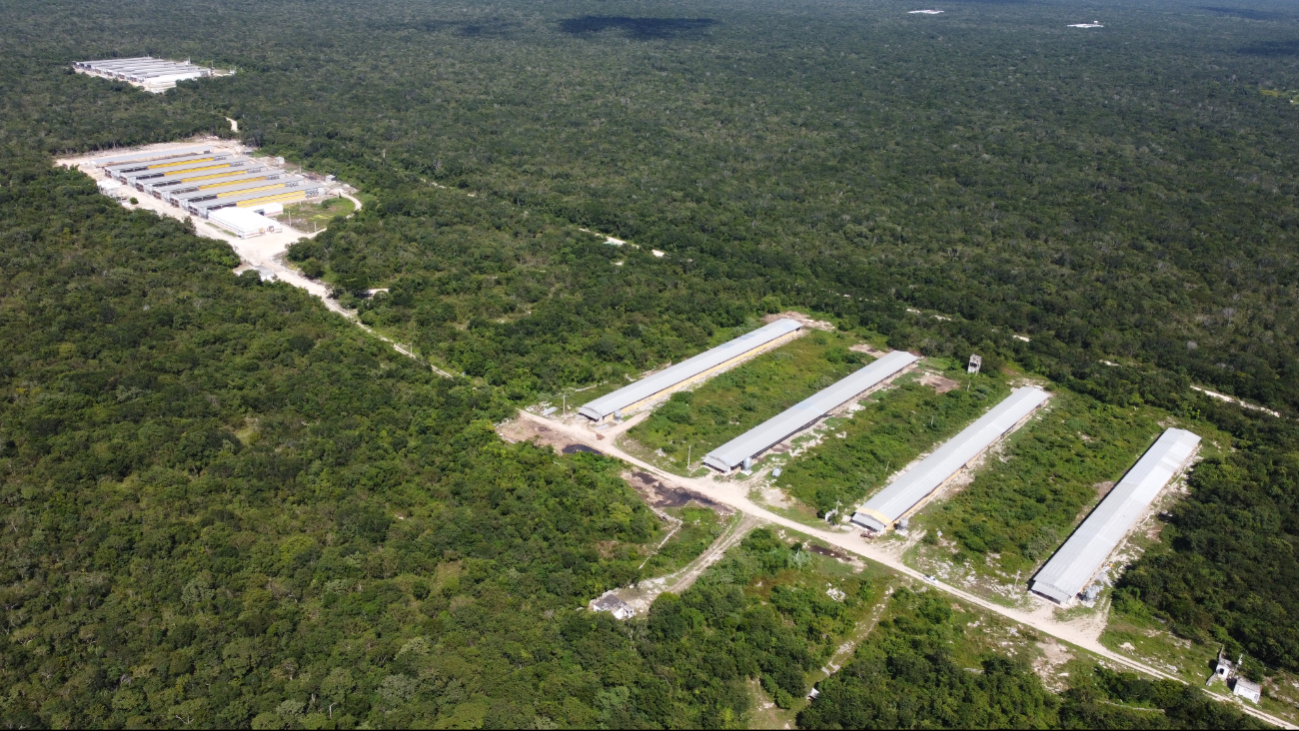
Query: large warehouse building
point(652, 389)
point(151, 74)
point(132, 172)
point(188, 190)
point(147, 155)
point(1073, 566)
point(805, 413)
point(914, 486)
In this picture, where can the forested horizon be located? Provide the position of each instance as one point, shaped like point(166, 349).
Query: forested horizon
point(224, 506)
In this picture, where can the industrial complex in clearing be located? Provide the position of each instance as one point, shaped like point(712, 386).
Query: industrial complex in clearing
point(1080, 558)
point(151, 74)
point(231, 190)
point(1062, 579)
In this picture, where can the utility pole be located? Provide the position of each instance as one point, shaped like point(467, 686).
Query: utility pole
point(566, 405)
point(689, 448)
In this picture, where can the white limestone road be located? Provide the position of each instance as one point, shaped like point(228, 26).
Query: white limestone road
point(735, 495)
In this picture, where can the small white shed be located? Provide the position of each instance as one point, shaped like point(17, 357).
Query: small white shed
point(1248, 690)
point(111, 188)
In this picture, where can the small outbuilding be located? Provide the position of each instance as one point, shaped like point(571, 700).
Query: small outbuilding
point(620, 609)
point(111, 188)
point(1247, 689)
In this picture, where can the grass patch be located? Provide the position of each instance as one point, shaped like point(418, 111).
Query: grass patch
point(307, 214)
point(895, 427)
point(699, 528)
point(738, 400)
point(1146, 639)
point(1019, 509)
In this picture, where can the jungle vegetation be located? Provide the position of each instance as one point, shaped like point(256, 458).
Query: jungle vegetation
point(224, 507)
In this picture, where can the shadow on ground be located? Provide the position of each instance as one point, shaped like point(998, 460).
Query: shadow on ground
point(637, 28)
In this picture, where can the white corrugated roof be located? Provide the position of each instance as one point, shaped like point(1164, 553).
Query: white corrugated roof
point(1078, 560)
point(150, 155)
point(917, 483)
point(770, 432)
point(686, 369)
point(242, 220)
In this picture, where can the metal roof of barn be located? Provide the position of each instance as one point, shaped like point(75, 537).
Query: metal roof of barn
point(686, 369)
point(806, 412)
point(205, 207)
point(190, 188)
point(206, 167)
point(164, 165)
point(146, 155)
point(129, 166)
point(238, 190)
point(199, 171)
point(917, 483)
point(1078, 560)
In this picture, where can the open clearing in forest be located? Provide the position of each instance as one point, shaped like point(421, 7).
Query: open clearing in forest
point(691, 423)
point(266, 251)
point(1082, 632)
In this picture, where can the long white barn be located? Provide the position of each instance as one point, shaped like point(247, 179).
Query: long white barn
point(807, 412)
point(1073, 566)
point(912, 487)
point(652, 389)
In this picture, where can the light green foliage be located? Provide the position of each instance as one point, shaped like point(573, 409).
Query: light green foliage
point(1025, 504)
point(923, 667)
point(738, 400)
point(892, 428)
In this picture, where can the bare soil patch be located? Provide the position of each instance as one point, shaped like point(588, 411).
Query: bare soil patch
point(1054, 656)
point(868, 349)
point(660, 496)
point(526, 430)
point(822, 550)
point(800, 318)
point(940, 384)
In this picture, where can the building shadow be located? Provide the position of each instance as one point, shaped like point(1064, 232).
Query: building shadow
point(637, 28)
point(1246, 13)
point(1272, 49)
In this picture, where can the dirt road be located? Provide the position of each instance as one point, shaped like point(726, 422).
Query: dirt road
point(1083, 634)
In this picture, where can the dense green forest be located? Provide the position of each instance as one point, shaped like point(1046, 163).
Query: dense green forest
point(223, 506)
point(915, 673)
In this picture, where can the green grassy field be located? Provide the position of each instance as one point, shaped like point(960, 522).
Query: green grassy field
point(307, 214)
point(894, 427)
point(693, 422)
point(1021, 507)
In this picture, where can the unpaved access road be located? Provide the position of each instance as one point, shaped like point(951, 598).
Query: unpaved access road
point(1084, 634)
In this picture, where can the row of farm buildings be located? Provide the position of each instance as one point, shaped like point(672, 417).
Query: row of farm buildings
point(203, 178)
point(1066, 576)
point(151, 74)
